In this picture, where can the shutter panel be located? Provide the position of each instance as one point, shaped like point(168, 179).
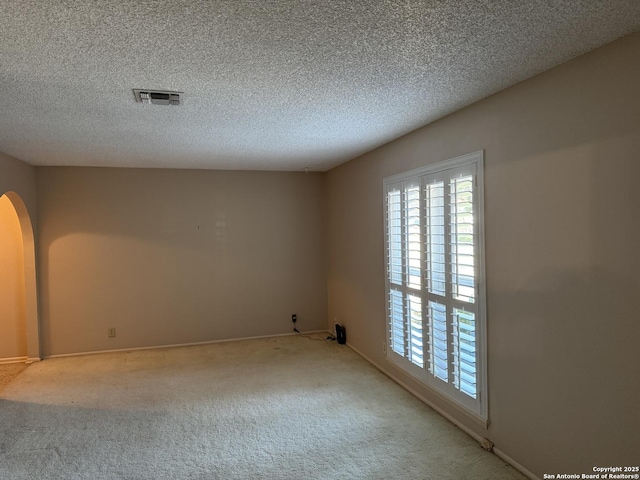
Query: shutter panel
point(438, 342)
point(396, 321)
point(413, 244)
point(464, 351)
point(394, 236)
point(415, 344)
point(394, 270)
point(435, 238)
point(463, 284)
point(404, 266)
point(413, 272)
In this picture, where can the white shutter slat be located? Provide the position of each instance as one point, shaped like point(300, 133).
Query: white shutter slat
point(467, 362)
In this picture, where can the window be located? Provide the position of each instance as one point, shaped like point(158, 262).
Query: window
point(435, 278)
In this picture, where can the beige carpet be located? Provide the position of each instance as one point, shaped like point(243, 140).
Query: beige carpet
point(277, 408)
point(9, 371)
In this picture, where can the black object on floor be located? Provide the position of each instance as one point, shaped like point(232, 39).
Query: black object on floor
point(341, 334)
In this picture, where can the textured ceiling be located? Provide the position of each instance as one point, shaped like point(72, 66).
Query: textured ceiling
point(269, 85)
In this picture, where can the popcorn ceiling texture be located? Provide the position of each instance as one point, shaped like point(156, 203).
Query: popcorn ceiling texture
point(269, 85)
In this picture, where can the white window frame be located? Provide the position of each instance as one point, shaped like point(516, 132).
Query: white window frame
point(473, 164)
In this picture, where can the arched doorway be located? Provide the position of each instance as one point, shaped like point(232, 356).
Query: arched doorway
point(19, 333)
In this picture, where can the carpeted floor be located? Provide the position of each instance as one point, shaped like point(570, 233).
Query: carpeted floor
point(9, 371)
point(276, 408)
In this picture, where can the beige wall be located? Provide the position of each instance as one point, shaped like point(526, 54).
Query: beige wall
point(178, 256)
point(18, 177)
point(13, 334)
point(17, 181)
point(562, 156)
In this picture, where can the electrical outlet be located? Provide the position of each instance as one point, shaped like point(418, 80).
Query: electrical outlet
point(384, 347)
point(294, 318)
point(111, 332)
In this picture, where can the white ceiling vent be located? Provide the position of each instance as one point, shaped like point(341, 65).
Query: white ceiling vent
point(158, 97)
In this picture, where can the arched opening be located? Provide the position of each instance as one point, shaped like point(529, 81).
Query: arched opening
point(19, 337)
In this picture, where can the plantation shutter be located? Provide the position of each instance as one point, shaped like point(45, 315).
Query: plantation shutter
point(433, 270)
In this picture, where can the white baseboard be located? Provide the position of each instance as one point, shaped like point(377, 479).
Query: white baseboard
point(33, 360)
point(462, 427)
point(6, 361)
point(176, 345)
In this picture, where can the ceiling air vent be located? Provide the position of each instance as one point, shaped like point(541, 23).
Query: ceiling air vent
point(158, 97)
